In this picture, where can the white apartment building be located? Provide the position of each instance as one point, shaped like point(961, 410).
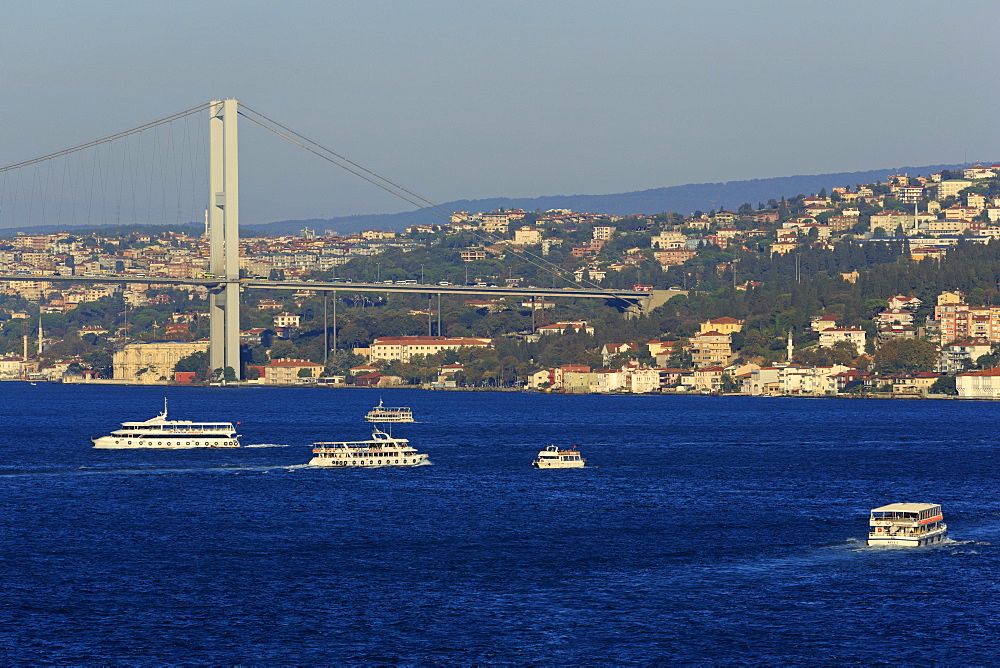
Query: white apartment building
point(404, 347)
point(854, 335)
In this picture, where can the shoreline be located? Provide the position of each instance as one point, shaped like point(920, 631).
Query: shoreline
point(167, 383)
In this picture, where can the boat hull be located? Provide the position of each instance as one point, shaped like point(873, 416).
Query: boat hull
point(932, 538)
point(118, 443)
point(579, 464)
point(408, 462)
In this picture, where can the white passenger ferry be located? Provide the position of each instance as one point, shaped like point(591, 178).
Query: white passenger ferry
point(907, 524)
point(554, 458)
point(159, 432)
point(381, 450)
point(384, 414)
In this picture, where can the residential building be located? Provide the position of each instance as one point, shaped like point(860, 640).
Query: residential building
point(983, 384)
point(710, 348)
point(811, 381)
point(914, 383)
point(377, 379)
point(764, 382)
point(472, 254)
point(724, 325)
point(403, 348)
point(578, 381)
point(708, 379)
point(669, 240)
point(822, 322)
point(287, 372)
point(609, 380)
point(287, 320)
point(527, 236)
point(495, 222)
point(578, 326)
point(253, 337)
point(951, 188)
point(661, 347)
point(832, 335)
point(960, 355)
point(674, 257)
point(959, 321)
point(643, 380)
point(978, 172)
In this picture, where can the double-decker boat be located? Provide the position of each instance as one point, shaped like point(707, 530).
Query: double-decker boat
point(159, 432)
point(381, 450)
point(554, 458)
point(384, 414)
point(907, 524)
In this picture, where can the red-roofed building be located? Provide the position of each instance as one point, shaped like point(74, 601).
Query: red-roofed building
point(983, 384)
point(709, 378)
point(725, 325)
point(377, 380)
point(661, 347)
point(578, 326)
point(287, 371)
point(402, 348)
point(287, 320)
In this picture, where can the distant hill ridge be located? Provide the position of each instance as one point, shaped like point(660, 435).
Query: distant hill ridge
point(681, 199)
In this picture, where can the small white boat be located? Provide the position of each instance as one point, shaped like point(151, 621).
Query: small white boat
point(381, 450)
point(554, 458)
point(159, 432)
point(907, 525)
point(384, 414)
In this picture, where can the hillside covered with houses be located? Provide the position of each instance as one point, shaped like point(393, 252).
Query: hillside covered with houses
point(888, 287)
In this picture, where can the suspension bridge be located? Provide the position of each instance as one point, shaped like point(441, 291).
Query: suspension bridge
point(222, 213)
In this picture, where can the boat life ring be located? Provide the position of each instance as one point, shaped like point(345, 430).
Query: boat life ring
point(880, 529)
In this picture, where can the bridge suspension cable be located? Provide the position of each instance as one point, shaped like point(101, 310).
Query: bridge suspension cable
point(104, 140)
point(389, 186)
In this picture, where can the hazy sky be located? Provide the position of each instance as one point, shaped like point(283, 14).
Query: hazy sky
point(470, 99)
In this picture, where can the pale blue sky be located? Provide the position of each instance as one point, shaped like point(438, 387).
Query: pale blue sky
point(474, 99)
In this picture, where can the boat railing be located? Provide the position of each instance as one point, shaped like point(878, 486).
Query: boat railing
point(895, 521)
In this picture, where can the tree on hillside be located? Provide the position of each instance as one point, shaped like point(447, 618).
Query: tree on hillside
point(196, 362)
point(282, 349)
point(903, 355)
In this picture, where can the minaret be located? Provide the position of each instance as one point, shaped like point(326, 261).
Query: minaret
point(790, 346)
point(40, 335)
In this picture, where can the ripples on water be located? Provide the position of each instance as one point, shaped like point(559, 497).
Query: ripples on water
point(704, 530)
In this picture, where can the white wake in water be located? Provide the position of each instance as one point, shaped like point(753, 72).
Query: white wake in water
point(269, 445)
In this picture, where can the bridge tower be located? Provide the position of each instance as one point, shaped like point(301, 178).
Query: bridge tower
point(224, 235)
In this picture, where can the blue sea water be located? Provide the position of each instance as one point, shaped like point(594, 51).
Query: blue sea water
point(704, 530)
